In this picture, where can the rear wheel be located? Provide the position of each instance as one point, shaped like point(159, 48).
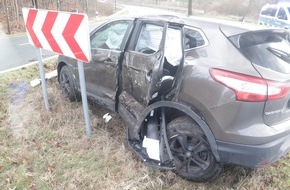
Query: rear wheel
point(67, 84)
point(191, 151)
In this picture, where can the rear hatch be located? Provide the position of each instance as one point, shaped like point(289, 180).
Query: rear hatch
point(269, 52)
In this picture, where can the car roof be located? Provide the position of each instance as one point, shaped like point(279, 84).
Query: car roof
point(229, 28)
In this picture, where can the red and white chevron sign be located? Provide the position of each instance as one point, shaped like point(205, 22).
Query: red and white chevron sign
point(61, 32)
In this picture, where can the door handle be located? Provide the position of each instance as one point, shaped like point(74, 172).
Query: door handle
point(109, 61)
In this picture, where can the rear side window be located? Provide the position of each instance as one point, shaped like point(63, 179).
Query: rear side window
point(193, 38)
point(149, 39)
point(269, 49)
point(282, 14)
point(269, 11)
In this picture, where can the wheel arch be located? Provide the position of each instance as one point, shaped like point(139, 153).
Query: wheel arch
point(187, 111)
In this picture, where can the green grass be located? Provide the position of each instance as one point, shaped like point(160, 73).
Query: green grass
point(50, 150)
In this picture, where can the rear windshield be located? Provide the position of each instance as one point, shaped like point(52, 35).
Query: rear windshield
point(268, 49)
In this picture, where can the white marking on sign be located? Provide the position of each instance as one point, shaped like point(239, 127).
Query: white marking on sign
point(57, 30)
point(83, 44)
point(38, 22)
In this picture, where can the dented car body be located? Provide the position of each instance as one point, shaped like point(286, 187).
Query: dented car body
point(195, 94)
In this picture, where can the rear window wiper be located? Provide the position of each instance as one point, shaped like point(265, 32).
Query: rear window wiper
point(281, 54)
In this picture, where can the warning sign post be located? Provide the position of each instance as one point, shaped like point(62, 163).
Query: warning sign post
point(64, 33)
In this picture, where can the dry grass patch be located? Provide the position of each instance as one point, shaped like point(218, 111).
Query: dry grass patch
point(55, 153)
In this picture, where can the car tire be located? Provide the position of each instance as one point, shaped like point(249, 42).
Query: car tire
point(192, 154)
point(67, 84)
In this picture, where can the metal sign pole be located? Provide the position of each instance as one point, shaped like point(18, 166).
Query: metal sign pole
point(43, 82)
point(48, 30)
point(84, 96)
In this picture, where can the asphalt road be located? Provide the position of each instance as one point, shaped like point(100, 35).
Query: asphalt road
point(16, 51)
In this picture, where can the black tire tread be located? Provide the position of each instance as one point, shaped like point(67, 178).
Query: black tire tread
point(73, 95)
point(185, 125)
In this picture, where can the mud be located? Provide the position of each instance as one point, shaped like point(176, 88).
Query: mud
point(19, 112)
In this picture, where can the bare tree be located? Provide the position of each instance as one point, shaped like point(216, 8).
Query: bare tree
point(46, 3)
point(34, 3)
point(58, 5)
point(16, 10)
point(7, 16)
point(87, 7)
point(189, 8)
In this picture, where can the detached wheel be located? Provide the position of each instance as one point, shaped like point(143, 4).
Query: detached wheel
point(67, 84)
point(191, 151)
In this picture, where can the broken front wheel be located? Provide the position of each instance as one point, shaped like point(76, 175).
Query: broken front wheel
point(191, 151)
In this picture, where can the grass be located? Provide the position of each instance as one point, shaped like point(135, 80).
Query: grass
point(50, 150)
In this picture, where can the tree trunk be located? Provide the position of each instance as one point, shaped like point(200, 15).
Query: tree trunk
point(57, 5)
point(189, 8)
point(7, 16)
point(87, 7)
point(16, 10)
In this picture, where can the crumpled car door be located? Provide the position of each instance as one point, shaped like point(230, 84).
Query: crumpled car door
point(143, 64)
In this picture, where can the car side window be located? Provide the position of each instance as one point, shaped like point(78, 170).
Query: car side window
point(282, 14)
point(193, 38)
point(110, 36)
point(269, 11)
point(149, 39)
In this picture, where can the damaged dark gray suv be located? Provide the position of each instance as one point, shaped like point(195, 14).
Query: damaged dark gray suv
point(195, 94)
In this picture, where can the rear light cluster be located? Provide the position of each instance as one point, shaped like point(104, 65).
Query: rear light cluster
point(249, 88)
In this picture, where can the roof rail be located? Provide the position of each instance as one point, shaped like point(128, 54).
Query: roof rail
point(169, 18)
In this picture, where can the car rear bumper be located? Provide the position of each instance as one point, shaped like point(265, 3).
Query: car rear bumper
point(253, 155)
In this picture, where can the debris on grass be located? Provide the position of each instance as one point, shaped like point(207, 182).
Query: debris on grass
point(107, 117)
point(48, 76)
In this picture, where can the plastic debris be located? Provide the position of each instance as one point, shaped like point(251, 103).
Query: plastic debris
point(35, 82)
point(107, 117)
point(49, 75)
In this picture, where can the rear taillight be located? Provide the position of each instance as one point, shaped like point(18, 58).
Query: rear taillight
point(277, 90)
point(249, 88)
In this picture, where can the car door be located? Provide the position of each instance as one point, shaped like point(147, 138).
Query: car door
point(107, 47)
point(142, 67)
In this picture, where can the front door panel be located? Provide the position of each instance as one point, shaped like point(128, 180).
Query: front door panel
point(103, 73)
point(107, 45)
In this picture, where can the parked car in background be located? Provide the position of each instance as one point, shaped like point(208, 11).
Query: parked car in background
point(276, 15)
point(195, 94)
